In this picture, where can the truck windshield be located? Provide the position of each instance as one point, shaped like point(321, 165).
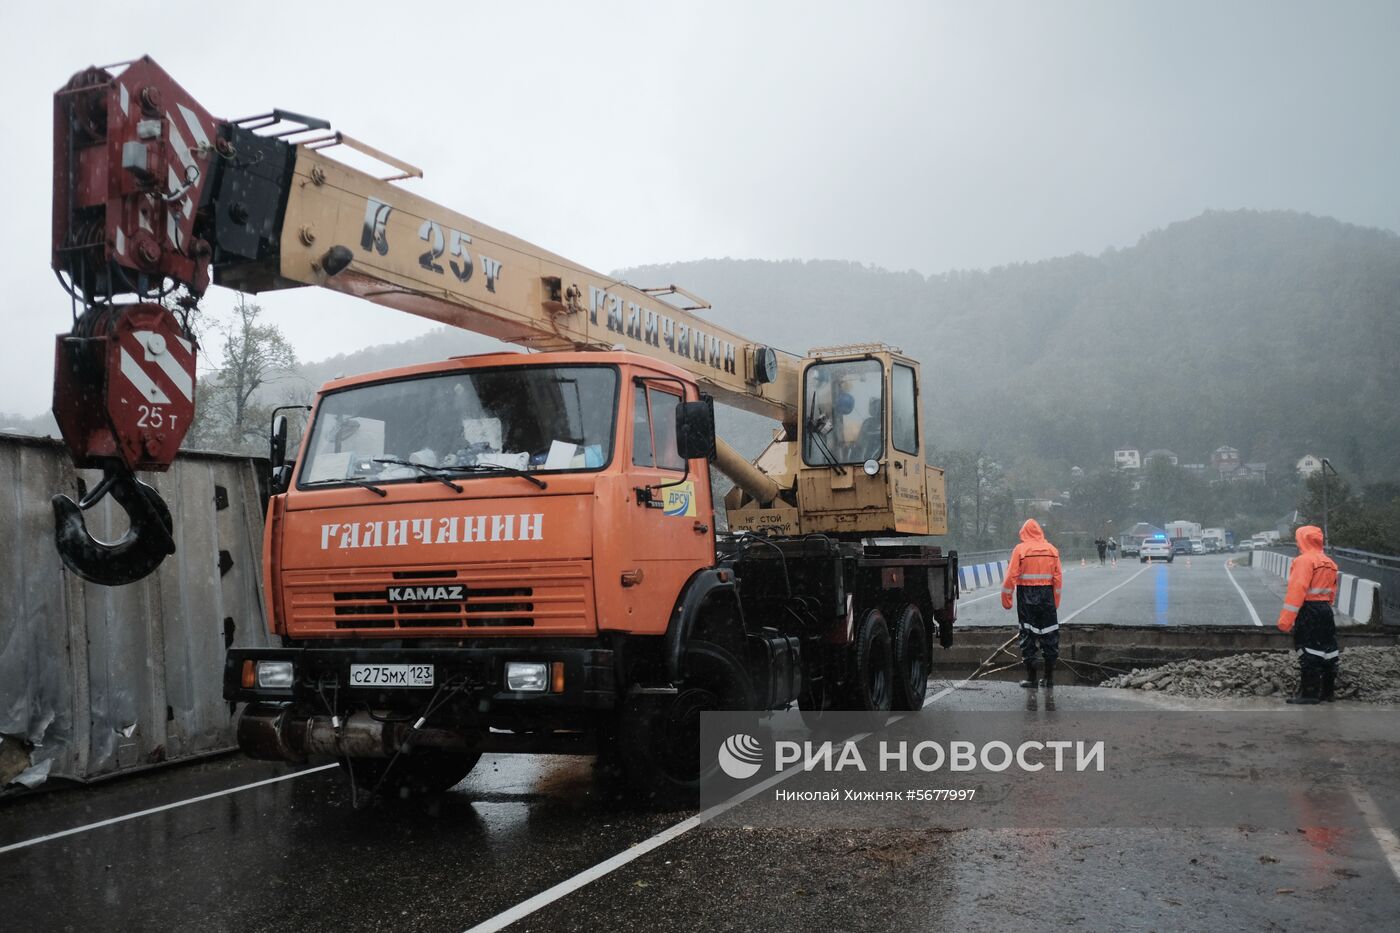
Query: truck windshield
point(845, 413)
point(533, 418)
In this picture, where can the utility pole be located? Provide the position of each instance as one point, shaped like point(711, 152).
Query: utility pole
point(1326, 465)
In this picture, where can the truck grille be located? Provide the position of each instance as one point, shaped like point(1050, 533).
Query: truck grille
point(486, 606)
point(554, 597)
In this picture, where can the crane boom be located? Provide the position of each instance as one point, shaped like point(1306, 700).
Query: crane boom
point(413, 255)
point(152, 194)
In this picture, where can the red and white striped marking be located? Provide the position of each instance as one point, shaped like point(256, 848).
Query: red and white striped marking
point(156, 368)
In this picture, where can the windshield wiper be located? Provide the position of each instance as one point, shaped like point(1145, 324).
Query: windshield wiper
point(423, 469)
point(814, 431)
point(362, 483)
point(493, 468)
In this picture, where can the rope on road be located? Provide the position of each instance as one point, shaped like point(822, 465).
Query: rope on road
point(983, 670)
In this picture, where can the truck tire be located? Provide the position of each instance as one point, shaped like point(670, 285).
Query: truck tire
point(658, 737)
point(870, 686)
point(425, 774)
point(911, 660)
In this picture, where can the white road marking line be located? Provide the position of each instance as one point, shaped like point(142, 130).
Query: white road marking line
point(1385, 836)
point(1114, 590)
point(1239, 589)
point(168, 806)
point(589, 875)
point(996, 592)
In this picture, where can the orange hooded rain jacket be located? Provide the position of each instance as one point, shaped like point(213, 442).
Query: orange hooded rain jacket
point(1311, 579)
point(1034, 562)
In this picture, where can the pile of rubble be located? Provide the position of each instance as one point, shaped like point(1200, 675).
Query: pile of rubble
point(1371, 675)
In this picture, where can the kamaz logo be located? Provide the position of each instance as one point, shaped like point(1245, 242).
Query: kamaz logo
point(427, 594)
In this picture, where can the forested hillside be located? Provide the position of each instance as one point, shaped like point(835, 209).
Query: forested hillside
point(1274, 333)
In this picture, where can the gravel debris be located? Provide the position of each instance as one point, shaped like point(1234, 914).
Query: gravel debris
point(1371, 675)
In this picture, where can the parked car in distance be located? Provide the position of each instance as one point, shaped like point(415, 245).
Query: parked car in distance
point(1155, 549)
point(1181, 545)
point(1248, 544)
point(1197, 546)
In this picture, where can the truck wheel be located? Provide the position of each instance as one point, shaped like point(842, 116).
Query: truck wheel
point(658, 737)
point(911, 662)
point(425, 774)
point(870, 687)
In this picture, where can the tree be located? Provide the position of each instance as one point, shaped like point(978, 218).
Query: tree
point(1101, 503)
point(233, 406)
point(1349, 522)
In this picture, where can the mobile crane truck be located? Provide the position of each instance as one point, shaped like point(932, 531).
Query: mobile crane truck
point(502, 552)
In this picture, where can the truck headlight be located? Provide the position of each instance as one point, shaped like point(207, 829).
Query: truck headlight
point(275, 675)
point(527, 676)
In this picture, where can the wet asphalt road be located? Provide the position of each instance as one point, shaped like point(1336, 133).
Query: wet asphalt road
point(293, 855)
point(1198, 591)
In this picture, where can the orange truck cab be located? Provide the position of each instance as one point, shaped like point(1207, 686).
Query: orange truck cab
point(517, 552)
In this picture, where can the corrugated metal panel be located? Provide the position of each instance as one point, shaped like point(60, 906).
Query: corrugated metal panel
point(102, 680)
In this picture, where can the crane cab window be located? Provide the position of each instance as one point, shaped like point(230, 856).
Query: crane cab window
point(654, 428)
point(845, 414)
point(904, 418)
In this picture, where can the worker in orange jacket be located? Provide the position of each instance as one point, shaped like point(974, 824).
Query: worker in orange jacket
point(1307, 613)
point(1034, 575)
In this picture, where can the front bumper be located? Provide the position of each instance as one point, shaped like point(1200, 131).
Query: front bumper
point(477, 672)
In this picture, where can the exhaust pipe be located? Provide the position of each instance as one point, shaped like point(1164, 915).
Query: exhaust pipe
point(276, 733)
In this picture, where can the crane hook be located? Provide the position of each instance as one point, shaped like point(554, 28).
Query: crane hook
point(146, 543)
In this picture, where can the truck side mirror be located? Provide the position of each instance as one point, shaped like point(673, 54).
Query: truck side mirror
point(695, 430)
point(281, 479)
point(277, 454)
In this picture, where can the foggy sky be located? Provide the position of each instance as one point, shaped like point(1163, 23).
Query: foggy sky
point(925, 136)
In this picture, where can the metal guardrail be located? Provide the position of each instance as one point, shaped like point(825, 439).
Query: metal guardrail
point(1382, 568)
point(1369, 567)
point(1383, 560)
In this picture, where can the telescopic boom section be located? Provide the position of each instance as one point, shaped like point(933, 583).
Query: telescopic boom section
point(347, 230)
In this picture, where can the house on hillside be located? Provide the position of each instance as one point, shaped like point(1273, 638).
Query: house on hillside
point(1127, 458)
point(1225, 461)
point(1076, 472)
point(1309, 465)
point(1160, 454)
point(1256, 471)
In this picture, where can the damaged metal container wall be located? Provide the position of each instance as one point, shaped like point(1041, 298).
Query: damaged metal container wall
point(98, 680)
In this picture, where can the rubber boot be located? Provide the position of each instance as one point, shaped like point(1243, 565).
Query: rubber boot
point(1030, 680)
point(1309, 686)
point(1329, 684)
point(1050, 685)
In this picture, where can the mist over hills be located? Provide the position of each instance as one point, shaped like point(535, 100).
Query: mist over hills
point(1272, 332)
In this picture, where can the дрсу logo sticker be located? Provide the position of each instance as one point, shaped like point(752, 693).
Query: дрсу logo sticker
point(680, 500)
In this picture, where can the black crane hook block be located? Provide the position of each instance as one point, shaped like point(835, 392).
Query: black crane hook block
point(134, 555)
